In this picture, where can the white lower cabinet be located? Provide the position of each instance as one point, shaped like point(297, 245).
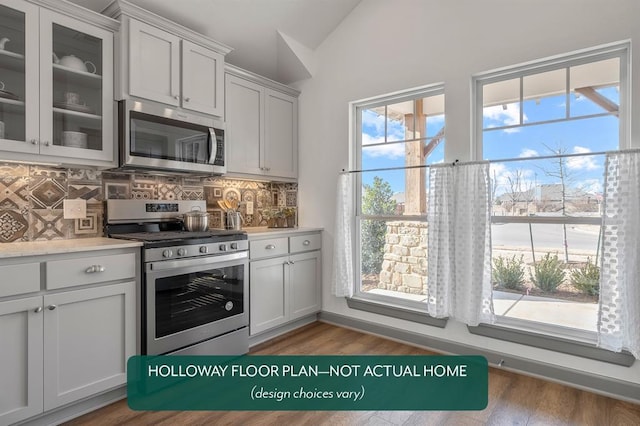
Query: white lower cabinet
point(87, 337)
point(57, 347)
point(285, 287)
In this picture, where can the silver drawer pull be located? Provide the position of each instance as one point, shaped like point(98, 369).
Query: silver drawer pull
point(95, 268)
point(306, 242)
point(51, 307)
point(38, 309)
point(270, 247)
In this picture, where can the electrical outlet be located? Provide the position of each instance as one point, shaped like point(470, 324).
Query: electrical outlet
point(249, 207)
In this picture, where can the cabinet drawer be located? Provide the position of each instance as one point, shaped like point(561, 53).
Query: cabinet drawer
point(305, 243)
point(268, 248)
point(89, 270)
point(19, 279)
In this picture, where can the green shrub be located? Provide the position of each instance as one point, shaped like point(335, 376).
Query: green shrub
point(587, 279)
point(508, 272)
point(548, 273)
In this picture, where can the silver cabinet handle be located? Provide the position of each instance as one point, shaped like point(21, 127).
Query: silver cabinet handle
point(46, 143)
point(38, 309)
point(306, 242)
point(176, 97)
point(187, 99)
point(51, 307)
point(270, 247)
point(291, 262)
point(95, 268)
point(34, 141)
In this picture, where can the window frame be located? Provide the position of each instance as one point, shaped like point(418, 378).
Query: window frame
point(403, 308)
point(620, 50)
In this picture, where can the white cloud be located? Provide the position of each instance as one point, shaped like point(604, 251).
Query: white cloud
point(389, 150)
point(505, 117)
point(526, 153)
point(582, 163)
point(591, 186)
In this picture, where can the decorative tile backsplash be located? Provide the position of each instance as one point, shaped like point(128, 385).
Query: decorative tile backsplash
point(31, 198)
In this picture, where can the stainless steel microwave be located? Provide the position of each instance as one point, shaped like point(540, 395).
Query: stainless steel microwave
point(156, 137)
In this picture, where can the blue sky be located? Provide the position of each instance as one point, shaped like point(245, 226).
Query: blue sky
point(573, 136)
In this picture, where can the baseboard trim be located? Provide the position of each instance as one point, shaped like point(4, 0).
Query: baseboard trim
point(578, 379)
point(271, 334)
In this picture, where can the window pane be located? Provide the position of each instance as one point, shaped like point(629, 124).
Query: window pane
point(552, 187)
point(560, 287)
point(545, 96)
point(588, 135)
point(595, 88)
point(394, 259)
point(383, 192)
point(373, 126)
point(400, 122)
point(501, 103)
point(433, 108)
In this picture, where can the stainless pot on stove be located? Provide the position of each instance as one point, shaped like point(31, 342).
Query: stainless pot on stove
point(196, 220)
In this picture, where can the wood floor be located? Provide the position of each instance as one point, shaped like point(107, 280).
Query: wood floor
point(513, 399)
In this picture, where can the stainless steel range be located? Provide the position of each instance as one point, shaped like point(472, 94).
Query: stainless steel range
point(194, 295)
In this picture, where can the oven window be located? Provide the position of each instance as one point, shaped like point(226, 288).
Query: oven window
point(159, 137)
point(190, 300)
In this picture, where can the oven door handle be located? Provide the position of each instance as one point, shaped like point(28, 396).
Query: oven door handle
point(195, 261)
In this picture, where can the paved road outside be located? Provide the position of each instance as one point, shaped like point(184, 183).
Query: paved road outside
point(580, 238)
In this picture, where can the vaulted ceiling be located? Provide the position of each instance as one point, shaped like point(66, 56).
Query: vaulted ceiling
point(274, 38)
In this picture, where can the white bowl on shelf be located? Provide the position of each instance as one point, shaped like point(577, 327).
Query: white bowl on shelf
point(74, 139)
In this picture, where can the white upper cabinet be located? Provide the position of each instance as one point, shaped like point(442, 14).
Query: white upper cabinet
point(262, 126)
point(202, 79)
point(56, 85)
point(154, 64)
point(165, 62)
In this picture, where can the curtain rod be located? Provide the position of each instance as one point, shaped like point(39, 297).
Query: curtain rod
point(504, 160)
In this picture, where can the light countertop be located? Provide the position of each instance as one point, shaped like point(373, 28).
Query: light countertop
point(259, 232)
point(34, 248)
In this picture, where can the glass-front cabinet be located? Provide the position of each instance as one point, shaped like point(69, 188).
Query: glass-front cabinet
point(56, 87)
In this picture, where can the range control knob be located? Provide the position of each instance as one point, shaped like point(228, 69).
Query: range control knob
point(234, 246)
point(222, 247)
point(204, 249)
point(167, 253)
point(182, 252)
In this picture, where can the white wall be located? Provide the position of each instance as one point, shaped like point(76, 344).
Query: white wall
point(385, 46)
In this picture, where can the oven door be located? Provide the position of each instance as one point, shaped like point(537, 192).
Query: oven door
point(192, 300)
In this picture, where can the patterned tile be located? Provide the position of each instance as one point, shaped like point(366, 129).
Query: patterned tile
point(171, 180)
point(169, 192)
point(85, 175)
point(14, 192)
point(263, 199)
point(212, 194)
point(231, 194)
point(216, 219)
point(91, 193)
point(48, 224)
point(47, 193)
point(11, 169)
point(91, 226)
point(110, 176)
point(140, 178)
point(193, 192)
point(143, 191)
point(14, 225)
point(291, 198)
point(50, 172)
point(117, 190)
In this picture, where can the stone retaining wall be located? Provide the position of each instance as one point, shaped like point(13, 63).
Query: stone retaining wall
point(404, 267)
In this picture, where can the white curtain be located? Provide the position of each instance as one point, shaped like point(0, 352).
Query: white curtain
point(619, 314)
point(459, 250)
point(342, 279)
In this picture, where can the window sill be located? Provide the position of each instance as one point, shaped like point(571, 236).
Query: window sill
point(395, 311)
point(582, 348)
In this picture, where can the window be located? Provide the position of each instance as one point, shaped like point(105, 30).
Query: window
point(395, 135)
point(544, 127)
